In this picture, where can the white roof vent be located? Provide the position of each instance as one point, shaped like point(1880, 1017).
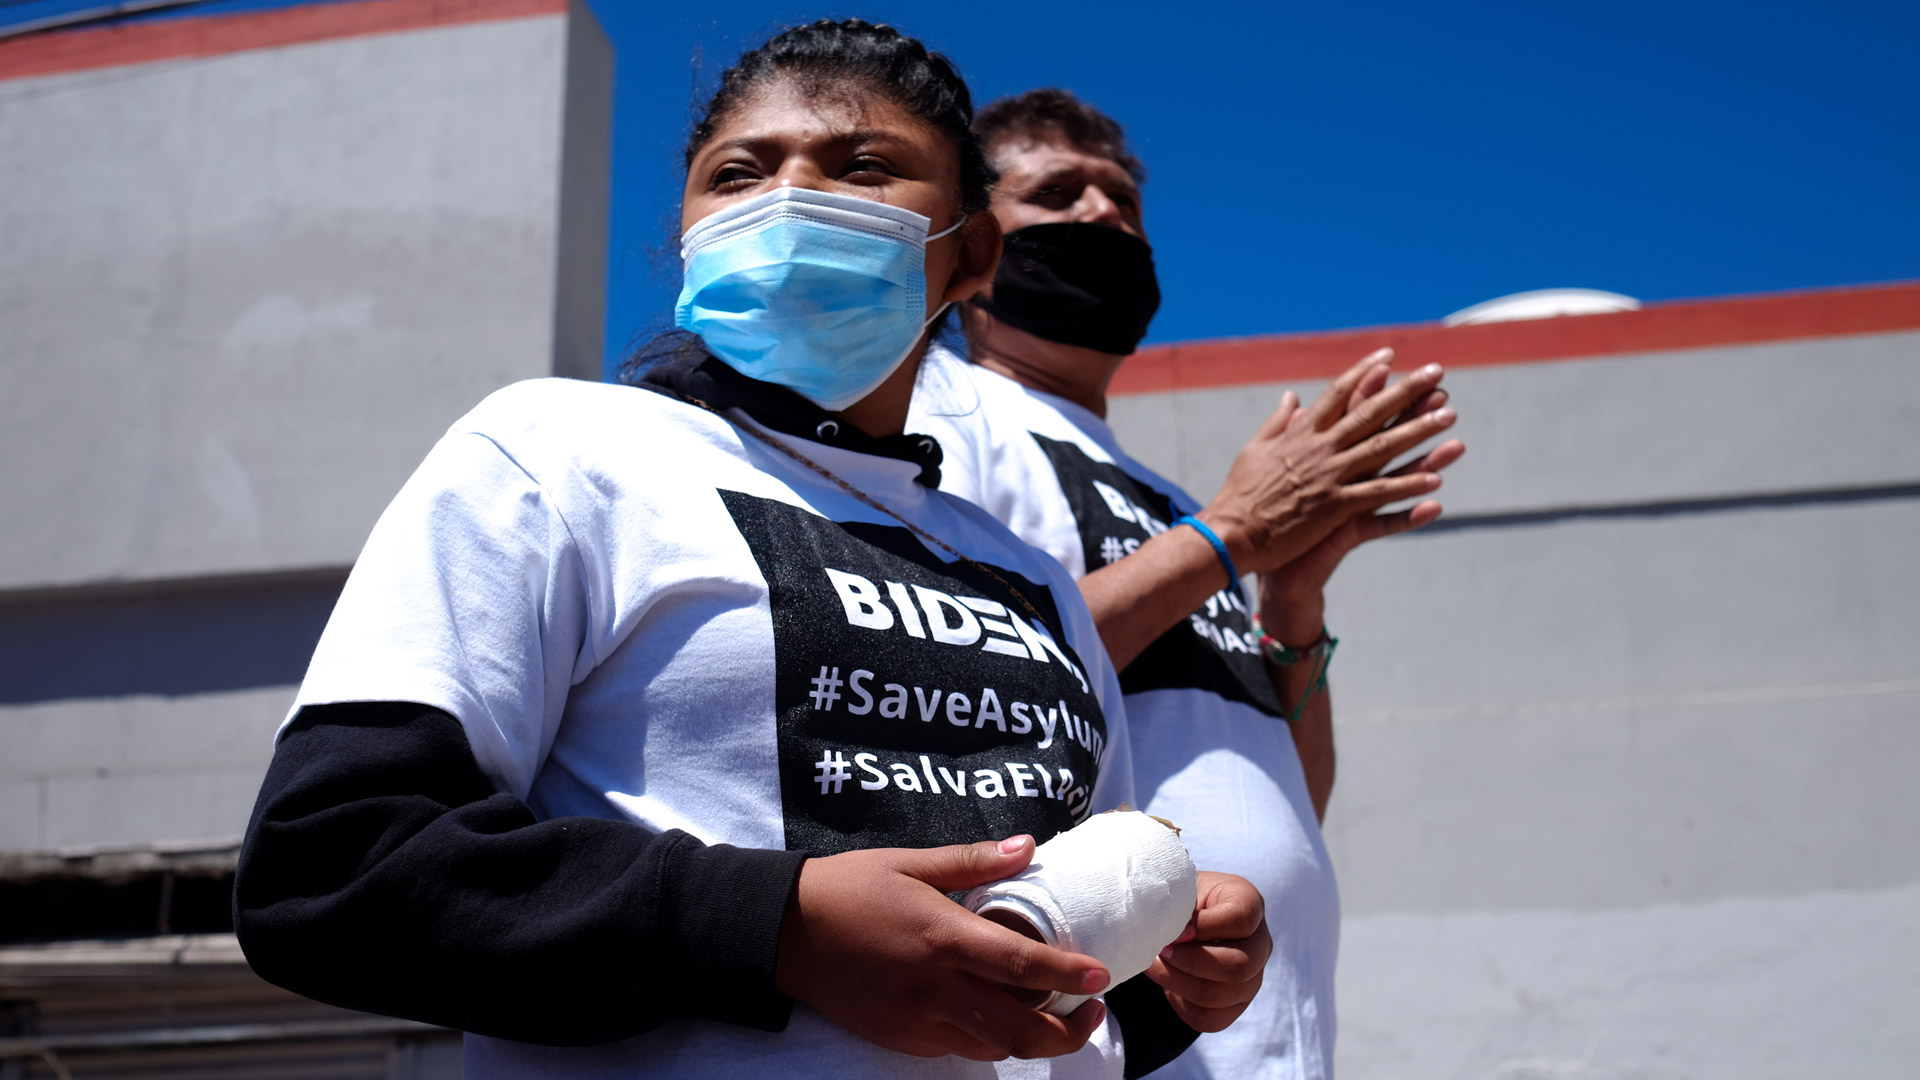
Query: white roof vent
point(1542, 304)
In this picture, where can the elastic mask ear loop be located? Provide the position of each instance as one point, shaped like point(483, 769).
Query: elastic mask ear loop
point(931, 319)
point(942, 309)
point(937, 312)
point(931, 237)
point(904, 353)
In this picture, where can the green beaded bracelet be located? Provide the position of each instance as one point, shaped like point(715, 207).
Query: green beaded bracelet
point(1320, 651)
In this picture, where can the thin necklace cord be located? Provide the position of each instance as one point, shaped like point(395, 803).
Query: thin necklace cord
point(924, 535)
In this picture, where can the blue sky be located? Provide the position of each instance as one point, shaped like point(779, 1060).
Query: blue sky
point(1332, 165)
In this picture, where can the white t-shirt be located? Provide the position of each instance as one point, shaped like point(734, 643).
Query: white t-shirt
point(638, 612)
point(1211, 749)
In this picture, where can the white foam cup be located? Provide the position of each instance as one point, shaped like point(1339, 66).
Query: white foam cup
point(1119, 887)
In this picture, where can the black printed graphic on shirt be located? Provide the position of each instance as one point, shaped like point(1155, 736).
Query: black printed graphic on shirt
point(918, 702)
point(1215, 648)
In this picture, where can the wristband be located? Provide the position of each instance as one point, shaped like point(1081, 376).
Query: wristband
point(1321, 651)
point(1219, 546)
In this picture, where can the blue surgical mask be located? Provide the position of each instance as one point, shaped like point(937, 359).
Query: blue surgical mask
point(822, 293)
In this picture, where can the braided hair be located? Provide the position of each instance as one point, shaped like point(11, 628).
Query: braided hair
point(828, 55)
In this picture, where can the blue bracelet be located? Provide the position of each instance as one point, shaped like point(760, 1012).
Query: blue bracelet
point(1219, 546)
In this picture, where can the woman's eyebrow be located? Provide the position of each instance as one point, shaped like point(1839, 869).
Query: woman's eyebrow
point(758, 144)
point(752, 144)
point(865, 136)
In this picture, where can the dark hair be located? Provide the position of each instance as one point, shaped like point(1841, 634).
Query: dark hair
point(1053, 111)
point(824, 54)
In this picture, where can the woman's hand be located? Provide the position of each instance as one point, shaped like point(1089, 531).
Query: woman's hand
point(872, 942)
point(1213, 971)
point(1308, 472)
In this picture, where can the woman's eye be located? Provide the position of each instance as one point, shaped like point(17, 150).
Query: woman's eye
point(731, 176)
point(870, 166)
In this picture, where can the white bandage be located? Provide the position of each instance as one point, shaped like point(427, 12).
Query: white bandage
point(1119, 888)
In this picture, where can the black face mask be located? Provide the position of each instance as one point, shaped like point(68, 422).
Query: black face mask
point(1076, 284)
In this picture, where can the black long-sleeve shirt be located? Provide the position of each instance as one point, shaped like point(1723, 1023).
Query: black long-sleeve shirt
point(383, 872)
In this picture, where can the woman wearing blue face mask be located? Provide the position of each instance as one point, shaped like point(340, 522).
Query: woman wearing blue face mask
point(656, 721)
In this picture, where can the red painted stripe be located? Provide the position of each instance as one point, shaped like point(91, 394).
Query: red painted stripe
point(1685, 324)
point(86, 49)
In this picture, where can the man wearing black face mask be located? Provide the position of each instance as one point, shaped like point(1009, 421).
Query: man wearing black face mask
point(1231, 726)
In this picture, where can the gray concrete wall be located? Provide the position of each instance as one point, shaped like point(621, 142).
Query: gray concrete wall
point(243, 295)
point(1759, 987)
point(585, 204)
point(136, 771)
point(1777, 417)
point(1626, 749)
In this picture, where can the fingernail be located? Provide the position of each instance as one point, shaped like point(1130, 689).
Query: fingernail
point(1093, 982)
point(1167, 954)
point(1186, 935)
point(1100, 1016)
point(1430, 369)
point(1443, 417)
point(1013, 843)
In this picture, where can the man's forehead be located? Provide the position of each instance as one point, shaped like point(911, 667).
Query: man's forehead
point(1038, 154)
